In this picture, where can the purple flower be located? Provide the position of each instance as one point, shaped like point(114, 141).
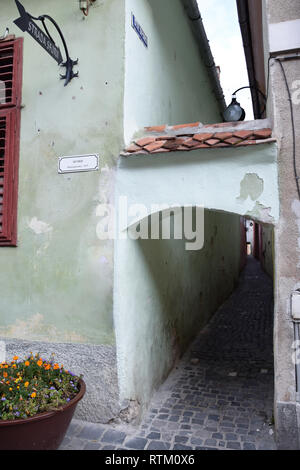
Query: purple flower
point(3, 399)
point(68, 399)
point(17, 413)
point(52, 388)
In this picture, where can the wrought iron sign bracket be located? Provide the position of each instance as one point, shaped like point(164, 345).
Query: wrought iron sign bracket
point(26, 23)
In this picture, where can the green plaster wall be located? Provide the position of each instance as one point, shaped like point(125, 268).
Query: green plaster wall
point(57, 284)
point(166, 295)
point(267, 259)
point(166, 83)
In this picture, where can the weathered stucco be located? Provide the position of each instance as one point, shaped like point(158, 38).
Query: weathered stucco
point(287, 233)
point(164, 295)
point(166, 82)
point(57, 285)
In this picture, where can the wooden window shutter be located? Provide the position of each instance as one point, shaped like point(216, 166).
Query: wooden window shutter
point(10, 101)
point(10, 73)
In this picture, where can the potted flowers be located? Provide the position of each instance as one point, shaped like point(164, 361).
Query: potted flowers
point(37, 402)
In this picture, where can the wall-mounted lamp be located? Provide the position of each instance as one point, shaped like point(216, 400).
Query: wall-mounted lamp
point(234, 112)
point(84, 6)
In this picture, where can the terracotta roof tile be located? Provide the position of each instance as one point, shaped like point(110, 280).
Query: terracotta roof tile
point(246, 142)
point(197, 136)
point(173, 144)
point(155, 145)
point(166, 137)
point(156, 128)
point(190, 143)
point(223, 135)
point(263, 133)
point(160, 150)
point(212, 142)
point(202, 146)
point(133, 148)
point(222, 144)
point(181, 147)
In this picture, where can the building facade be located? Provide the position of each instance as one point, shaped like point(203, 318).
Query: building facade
point(77, 277)
point(270, 31)
point(58, 284)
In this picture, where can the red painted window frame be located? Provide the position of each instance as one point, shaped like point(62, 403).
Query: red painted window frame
point(11, 112)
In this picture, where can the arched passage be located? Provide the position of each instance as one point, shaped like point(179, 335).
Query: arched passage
point(165, 294)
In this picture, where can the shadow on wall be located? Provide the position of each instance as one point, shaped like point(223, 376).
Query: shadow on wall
point(187, 287)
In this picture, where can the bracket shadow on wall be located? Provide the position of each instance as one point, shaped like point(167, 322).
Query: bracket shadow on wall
point(26, 24)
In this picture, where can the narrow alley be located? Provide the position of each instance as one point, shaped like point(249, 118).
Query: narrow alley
point(220, 396)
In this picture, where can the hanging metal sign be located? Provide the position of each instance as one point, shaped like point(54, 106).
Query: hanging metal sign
point(26, 24)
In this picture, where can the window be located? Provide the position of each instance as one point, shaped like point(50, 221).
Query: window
point(10, 101)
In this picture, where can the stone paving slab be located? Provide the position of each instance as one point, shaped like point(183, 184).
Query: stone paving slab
point(220, 395)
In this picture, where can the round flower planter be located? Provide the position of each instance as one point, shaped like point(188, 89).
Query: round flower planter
point(44, 431)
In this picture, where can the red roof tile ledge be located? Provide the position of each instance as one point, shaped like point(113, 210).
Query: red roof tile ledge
point(186, 137)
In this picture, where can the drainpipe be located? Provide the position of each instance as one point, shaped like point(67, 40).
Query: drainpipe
point(193, 14)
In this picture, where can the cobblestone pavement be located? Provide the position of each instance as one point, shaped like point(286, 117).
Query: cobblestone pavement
point(220, 396)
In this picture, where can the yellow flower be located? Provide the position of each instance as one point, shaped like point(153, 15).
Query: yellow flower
point(26, 363)
point(56, 366)
point(10, 389)
point(14, 366)
point(40, 363)
point(33, 395)
point(26, 384)
point(4, 374)
point(15, 358)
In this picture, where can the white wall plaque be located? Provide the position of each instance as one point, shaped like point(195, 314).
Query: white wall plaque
point(284, 36)
point(78, 163)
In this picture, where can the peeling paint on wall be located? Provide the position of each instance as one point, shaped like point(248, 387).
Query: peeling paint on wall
point(251, 186)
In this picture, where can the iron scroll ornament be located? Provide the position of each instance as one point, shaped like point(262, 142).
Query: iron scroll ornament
point(26, 23)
